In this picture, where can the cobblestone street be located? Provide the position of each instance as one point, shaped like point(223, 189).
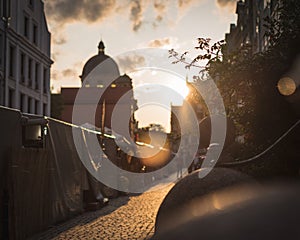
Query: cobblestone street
point(127, 217)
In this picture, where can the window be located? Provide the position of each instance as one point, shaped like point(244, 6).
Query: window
point(32, 107)
point(26, 26)
point(22, 66)
point(36, 106)
point(1, 8)
point(36, 81)
point(33, 134)
point(5, 8)
point(22, 105)
point(35, 34)
point(45, 80)
point(45, 109)
point(11, 96)
point(12, 51)
point(30, 72)
point(29, 109)
point(31, 4)
point(1, 52)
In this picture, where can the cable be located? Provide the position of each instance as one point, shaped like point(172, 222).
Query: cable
point(263, 152)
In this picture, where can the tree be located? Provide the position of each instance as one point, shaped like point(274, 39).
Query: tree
point(226, 71)
point(248, 82)
point(155, 127)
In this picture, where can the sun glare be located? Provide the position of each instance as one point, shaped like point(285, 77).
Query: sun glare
point(185, 91)
point(154, 89)
point(181, 88)
point(286, 86)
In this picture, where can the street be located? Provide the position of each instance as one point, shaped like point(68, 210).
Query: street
point(126, 217)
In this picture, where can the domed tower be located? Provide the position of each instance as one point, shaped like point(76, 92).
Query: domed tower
point(99, 70)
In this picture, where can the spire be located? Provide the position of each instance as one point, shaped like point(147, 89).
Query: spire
point(101, 47)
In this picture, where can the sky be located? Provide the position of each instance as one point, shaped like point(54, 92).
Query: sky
point(77, 26)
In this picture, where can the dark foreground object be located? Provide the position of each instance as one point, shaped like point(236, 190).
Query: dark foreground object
point(232, 208)
point(273, 215)
point(191, 188)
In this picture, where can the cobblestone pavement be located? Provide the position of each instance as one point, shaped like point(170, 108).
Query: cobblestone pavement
point(128, 217)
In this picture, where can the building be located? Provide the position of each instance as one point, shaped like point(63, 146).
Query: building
point(119, 91)
point(24, 56)
point(249, 29)
point(182, 116)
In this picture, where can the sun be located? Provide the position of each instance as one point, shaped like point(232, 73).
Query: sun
point(180, 87)
point(185, 91)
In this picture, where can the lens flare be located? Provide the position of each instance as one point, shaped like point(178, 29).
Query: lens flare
point(286, 86)
point(158, 160)
point(185, 91)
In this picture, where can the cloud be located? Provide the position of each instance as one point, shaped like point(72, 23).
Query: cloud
point(60, 40)
point(130, 63)
point(185, 4)
point(139, 10)
point(55, 55)
point(160, 9)
point(159, 42)
point(54, 75)
point(61, 12)
point(64, 11)
point(225, 9)
point(163, 7)
point(168, 42)
point(69, 72)
point(136, 14)
point(226, 3)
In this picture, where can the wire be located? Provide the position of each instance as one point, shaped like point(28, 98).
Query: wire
point(263, 152)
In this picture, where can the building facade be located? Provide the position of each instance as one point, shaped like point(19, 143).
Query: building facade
point(183, 116)
point(101, 73)
point(249, 29)
point(24, 56)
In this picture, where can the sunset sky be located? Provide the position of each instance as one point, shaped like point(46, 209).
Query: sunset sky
point(124, 25)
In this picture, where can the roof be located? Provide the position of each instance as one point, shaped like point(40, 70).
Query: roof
point(108, 66)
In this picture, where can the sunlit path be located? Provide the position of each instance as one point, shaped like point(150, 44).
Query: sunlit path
point(128, 217)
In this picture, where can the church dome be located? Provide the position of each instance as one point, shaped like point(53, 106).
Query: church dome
point(107, 69)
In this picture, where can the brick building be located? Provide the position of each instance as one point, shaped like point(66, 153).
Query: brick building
point(249, 28)
point(97, 75)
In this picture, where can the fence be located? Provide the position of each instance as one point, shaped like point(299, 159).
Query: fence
point(41, 184)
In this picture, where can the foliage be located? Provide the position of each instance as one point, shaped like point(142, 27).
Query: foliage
point(154, 127)
point(228, 72)
point(247, 82)
point(285, 25)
